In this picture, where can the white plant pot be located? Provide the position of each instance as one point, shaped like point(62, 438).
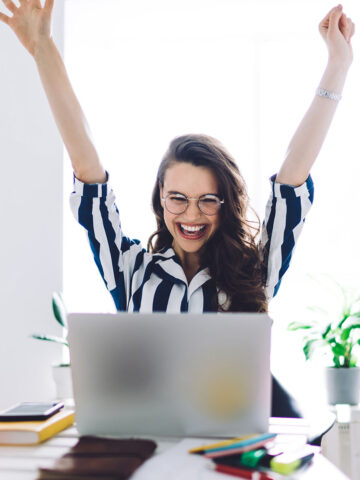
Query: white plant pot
point(343, 385)
point(63, 382)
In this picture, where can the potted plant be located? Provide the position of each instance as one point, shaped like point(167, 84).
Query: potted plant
point(61, 372)
point(339, 340)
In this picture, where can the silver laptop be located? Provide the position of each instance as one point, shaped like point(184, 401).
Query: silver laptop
point(171, 374)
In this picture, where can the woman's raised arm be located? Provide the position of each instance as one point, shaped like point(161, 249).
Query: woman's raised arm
point(31, 23)
point(337, 30)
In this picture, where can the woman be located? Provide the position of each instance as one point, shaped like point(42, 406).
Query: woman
point(205, 257)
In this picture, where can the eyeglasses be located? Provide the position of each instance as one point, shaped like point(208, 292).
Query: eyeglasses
point(177, 203)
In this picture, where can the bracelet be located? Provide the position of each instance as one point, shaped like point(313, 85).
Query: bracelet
point(321, 92)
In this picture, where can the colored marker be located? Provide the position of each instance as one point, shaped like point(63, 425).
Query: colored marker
point(243, 473)
point(289, 462)
point(258, 458)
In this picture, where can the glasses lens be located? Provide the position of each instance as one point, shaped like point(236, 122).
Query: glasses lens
point(176, 203)
point(209, 204)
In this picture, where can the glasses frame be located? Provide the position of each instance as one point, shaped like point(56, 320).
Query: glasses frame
point(192, 198)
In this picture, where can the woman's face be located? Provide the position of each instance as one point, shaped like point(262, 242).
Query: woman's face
point(192, 228)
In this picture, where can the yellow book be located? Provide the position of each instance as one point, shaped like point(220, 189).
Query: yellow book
point(31, 432)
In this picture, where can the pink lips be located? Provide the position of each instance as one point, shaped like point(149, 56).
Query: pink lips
point(192, 236)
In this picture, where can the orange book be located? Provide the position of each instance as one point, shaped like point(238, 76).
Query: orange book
point(31, 432)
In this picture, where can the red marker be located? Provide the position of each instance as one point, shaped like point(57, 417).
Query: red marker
point(243, 473)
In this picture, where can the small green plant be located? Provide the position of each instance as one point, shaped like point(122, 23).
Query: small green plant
point(339, 338)
point(59, 310)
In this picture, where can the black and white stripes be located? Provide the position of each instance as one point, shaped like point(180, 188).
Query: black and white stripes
point(140, 281)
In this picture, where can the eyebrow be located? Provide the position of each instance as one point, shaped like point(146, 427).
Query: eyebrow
point(170, 192)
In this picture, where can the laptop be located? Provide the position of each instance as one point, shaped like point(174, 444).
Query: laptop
point(160, 374)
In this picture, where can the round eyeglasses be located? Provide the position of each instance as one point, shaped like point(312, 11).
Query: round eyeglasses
point(177, 203)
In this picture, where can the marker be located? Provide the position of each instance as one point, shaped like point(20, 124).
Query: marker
point(243, 473)
point(258, 458)
point(289, 462)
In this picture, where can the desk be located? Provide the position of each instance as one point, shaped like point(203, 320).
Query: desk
point(21, 463)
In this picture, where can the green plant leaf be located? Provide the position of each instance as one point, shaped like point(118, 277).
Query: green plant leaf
point(336, 361)
point(338, 350)
point(59, 309)
point(347, 331)
point(309, 348)
point(345, 334)
point(343, 320)
point(293, 326)
point(326, 332)
point(353, 361)
point(50, 338)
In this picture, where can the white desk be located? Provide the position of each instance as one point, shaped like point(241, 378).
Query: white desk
point(21, 463)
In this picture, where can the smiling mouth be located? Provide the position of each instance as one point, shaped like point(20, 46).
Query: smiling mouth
point(192, 232)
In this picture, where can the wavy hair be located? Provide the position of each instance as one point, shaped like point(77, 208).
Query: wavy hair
point(231, 254)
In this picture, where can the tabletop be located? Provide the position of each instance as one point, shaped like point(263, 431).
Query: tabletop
point(171, 461)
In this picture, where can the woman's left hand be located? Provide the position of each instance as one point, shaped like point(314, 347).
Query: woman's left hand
point(337, 29)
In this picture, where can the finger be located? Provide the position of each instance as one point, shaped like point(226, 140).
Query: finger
point(48, 6)
point(334, 19)
point(351, 29)
point(327, 16)
point(4, 18)
point(35, 3)
point(10, 5)
point(343, 24)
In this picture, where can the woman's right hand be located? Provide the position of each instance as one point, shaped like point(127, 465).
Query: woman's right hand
point(30, 22)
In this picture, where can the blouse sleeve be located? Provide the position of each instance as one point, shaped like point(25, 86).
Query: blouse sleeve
point(94, 207)
point(285, 215)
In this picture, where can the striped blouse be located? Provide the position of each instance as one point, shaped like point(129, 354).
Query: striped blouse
point(145, 282)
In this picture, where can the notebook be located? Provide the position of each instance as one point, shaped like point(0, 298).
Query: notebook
point(171, 374)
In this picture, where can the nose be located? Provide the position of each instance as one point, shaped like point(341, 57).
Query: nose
point(192, 212)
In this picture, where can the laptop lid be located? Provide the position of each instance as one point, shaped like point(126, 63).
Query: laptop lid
point(171, 374)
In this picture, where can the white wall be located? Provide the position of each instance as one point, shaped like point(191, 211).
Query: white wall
point(31, 222)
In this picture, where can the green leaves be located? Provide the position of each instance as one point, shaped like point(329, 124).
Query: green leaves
point(309, 347)
point(50, 338)
point(59, 309)
point(341, 336)
point(293, 326)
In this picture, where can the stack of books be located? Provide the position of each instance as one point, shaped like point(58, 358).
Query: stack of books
point(255, 456)
point(32, 432)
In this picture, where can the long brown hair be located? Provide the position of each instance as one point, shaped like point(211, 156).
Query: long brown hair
point(231, 255)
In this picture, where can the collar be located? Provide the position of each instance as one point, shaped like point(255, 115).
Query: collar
point(168, 266)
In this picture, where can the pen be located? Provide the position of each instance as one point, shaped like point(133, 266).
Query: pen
point(243, 473)
point(222, 444)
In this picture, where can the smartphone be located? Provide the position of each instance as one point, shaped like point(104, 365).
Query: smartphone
point(30, 411)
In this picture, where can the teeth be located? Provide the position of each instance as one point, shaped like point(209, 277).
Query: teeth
point(193, 228)
point(196, 228)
